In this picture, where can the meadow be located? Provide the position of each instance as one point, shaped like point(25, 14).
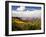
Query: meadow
point(19, 24)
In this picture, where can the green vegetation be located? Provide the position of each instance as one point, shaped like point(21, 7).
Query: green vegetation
point(18, 24)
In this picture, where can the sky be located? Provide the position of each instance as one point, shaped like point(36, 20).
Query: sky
point(31, 11)
point(25, 8)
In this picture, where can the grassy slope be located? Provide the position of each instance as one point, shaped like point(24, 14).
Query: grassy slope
point(18, 24)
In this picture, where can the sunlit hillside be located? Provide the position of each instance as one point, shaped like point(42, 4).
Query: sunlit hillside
point(18, 24)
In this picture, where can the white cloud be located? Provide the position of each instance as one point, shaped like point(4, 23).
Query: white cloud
point(21, 8)
point(36, 13)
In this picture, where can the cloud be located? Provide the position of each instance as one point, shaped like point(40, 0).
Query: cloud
point(36, 13)
point(21, 8)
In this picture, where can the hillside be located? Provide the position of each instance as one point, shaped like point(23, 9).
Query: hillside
point(19, 24)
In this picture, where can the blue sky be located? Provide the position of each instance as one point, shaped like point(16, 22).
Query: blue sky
point(30, 8)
